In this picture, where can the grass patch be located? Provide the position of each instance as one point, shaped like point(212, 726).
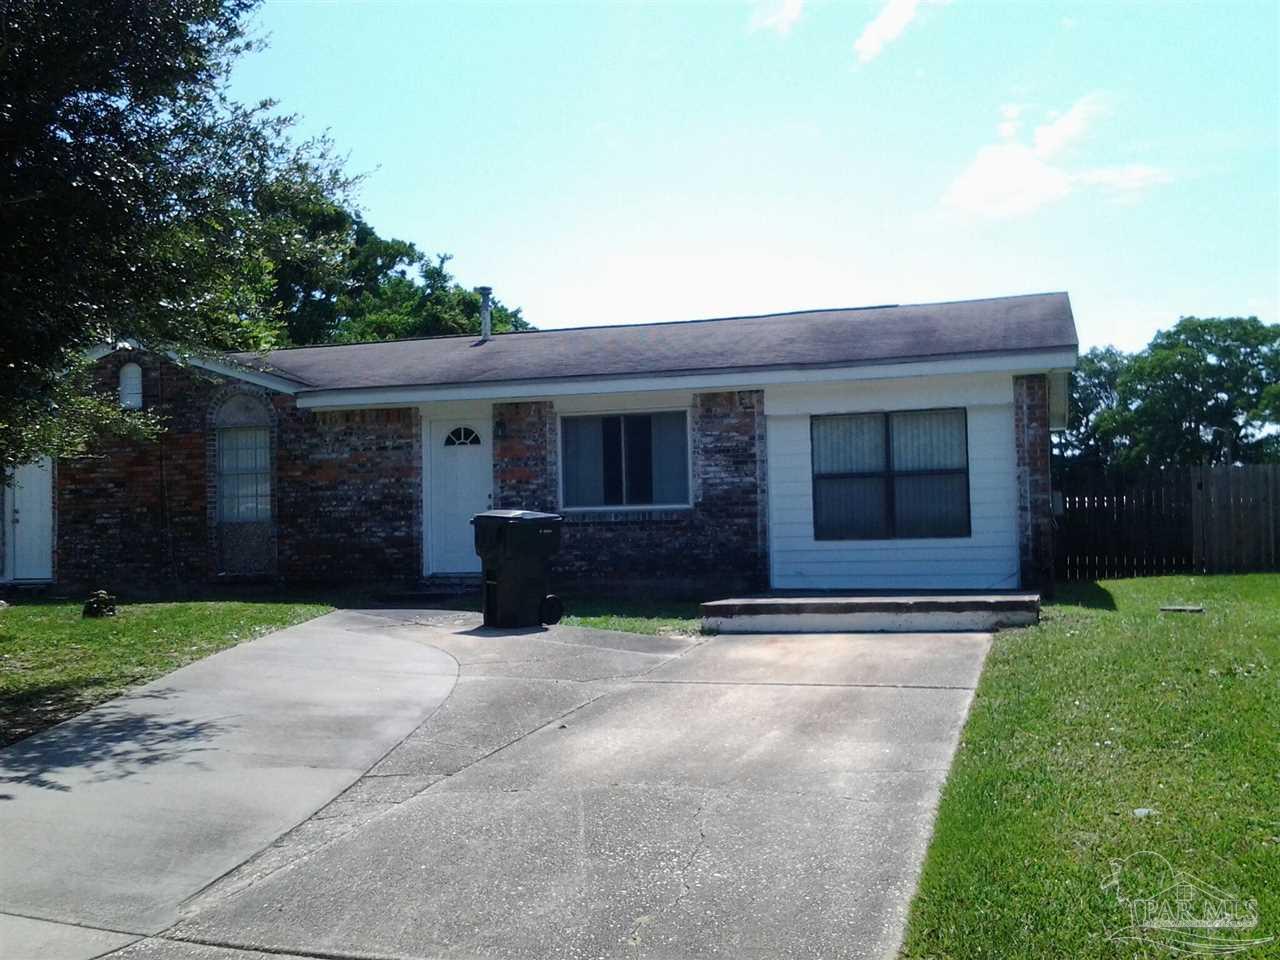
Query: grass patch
point(634, 616)
point(1107, 707)
point(611, 613)
point(55, 664)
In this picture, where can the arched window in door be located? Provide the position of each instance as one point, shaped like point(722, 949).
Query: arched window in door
point(462, 437)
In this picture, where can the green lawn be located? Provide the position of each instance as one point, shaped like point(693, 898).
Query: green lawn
point(634, 616)
point(611, 613)
point(1108, 707)
point(54, 664)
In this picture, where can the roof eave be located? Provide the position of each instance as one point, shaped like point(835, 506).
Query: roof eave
point(1042, 360)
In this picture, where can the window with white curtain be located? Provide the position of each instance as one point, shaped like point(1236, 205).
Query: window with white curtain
point(634, 459)
point(244, 474)
point(886, 475)
point(131, 386)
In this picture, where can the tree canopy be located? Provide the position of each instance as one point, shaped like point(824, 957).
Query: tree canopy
point(139, 201)
point(1203, 391)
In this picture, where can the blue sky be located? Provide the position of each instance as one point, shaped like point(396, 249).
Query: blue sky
point(626, 162)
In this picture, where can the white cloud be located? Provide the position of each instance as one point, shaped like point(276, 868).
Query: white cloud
point(1008, 126)
point(1128, 178)
point(1009, 179)
point(776, 15)
point(894, 17)
point(1006, 180)
point(1054, 137)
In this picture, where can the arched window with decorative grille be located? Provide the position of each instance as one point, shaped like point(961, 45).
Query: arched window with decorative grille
point(462, 437)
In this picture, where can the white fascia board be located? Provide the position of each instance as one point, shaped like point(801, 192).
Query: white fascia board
point(1011, 363)
point(237, 372)
point(220, 367)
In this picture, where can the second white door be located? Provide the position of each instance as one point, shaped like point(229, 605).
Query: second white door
point(460, 485)
point(29, 519)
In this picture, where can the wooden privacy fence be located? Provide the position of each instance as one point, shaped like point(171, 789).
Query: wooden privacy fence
point(1178, 520)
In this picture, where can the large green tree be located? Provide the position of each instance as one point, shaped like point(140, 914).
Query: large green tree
point(1087, 446)
point(397, 305)
point(1203, 391)
point(137, 201)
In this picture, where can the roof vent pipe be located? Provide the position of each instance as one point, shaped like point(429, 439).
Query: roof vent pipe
point(486, 312)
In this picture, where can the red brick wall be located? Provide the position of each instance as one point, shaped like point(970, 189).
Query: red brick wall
point(525, 457)
point(349, 493)
point(140, 516)
point(133, 512)
point(1035, 506)
point(719, 545)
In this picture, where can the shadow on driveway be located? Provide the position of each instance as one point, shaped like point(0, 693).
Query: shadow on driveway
point(115, 741)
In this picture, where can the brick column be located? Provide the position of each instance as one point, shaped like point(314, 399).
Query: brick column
point(525, 456)
point(1035, 506)
point(730, 467)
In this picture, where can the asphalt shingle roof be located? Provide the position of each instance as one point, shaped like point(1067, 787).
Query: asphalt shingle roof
point(813, 338)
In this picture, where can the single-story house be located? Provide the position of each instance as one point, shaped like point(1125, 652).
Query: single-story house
point(890, 447)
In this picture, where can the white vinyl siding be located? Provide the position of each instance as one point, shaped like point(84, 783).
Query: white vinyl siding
point(985, 559)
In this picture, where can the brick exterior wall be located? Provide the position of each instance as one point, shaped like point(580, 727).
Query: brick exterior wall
point(526, 457)
point(350, 494)
point(141, 516)
point(720, 544)
point(1035, 498)
point(132, 514)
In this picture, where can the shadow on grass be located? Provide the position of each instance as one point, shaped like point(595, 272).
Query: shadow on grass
point(111, 742)
point(1083, 593)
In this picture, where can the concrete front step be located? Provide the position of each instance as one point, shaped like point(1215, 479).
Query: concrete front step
point(906, 613)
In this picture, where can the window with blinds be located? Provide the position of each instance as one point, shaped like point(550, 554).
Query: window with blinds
point(636, 459)
point(879, 476)
point(244, 474)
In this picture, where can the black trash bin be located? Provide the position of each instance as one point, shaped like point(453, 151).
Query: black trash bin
point(515, 548)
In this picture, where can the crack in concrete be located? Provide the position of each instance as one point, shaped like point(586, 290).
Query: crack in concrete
point(633, 937)
point(275, 951)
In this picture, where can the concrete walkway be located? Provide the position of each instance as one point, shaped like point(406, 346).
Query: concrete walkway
point(111, 820)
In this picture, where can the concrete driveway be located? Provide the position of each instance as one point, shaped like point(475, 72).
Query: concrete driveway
point(589, 794)
point(111, 820)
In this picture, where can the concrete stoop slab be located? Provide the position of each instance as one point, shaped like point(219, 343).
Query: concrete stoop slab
point(871, 614)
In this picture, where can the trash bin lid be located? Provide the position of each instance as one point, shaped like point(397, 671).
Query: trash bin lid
point(517, 516)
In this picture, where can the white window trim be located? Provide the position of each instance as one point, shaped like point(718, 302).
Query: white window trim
point(625, 507)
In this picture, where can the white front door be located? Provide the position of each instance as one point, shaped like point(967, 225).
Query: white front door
point(460, 485)
point(29, 523)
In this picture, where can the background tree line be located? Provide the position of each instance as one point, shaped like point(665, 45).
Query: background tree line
point(139, 201)
point(1206, 391)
